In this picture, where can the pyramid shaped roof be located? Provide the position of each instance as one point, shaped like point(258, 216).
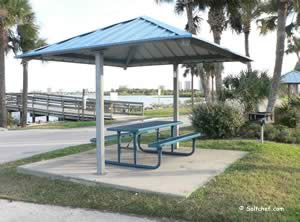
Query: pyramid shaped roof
point(136, 42)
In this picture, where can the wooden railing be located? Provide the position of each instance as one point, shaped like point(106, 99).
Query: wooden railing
point(118, 107)
point(60, 105)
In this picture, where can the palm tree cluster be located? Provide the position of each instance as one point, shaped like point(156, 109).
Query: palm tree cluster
point(18, 32)
point(239, 15)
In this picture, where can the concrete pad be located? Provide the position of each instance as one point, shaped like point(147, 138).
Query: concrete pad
point(28, 212)
point(177, 176)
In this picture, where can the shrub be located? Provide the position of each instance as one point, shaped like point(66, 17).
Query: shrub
point(278, 133)
point(289, 113)
point(249, 88)
point(270, 132)
point(217, 120)
point(11, 121)
point(250, 130)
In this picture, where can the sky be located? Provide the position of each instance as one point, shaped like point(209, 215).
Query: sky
point(62, 19)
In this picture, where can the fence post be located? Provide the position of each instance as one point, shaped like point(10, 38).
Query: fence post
point(48, 104)
point(32, 103)
point(78, 108)
point(83, 102)
point(63, 108)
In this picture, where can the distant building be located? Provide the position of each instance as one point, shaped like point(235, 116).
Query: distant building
point(49, 90)
point(123, 87)
point(187, 85)
point(162, 87)
point(61, 91)
point(200, 85)
point(180, 85)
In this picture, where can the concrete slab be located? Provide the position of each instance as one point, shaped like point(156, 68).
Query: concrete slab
point(177, 176)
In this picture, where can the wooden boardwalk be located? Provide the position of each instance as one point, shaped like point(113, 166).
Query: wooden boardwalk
point(70, 107)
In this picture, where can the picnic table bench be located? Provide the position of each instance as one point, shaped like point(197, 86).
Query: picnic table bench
point(137, 130)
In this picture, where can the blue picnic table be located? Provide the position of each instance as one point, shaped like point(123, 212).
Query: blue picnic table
point(137, 130)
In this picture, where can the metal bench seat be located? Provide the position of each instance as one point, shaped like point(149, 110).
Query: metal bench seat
point(173, 140)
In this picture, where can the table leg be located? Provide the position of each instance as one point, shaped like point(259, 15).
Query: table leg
point(119, 146)
point(157, 134)
point(172, 134)
point(135, 147)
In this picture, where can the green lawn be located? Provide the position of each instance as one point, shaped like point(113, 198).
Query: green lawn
point(165, 112)
point(268, 176)
point(67, 124)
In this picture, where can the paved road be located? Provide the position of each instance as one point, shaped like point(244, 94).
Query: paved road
point(18, 144)
point(27, 212)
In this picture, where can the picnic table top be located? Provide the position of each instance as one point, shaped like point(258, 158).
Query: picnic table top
point(139, 127)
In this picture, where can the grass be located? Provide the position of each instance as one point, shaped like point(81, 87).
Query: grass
point(67, 124)
point(268, 176)
point(166, 112)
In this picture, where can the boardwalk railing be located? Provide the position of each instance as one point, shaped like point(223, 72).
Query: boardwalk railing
point(70, 107)
point(118, 107)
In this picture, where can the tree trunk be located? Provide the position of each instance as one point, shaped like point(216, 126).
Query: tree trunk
point(3, 111)
point(205, 84)
point(192, 29)
point(212, 87)
point(247, 27)
point(189, 13)
point(25, 93)
point(217, 22)
point(280, 44)
point(192, 86)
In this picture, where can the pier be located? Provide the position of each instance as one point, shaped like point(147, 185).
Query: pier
point(70, 108)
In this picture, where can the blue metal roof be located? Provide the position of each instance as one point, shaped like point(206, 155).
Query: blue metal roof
point(134, 30)
point(292, 77)
point(137, 42)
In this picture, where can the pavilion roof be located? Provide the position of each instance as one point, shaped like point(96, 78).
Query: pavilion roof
point(137, 42)
point(292, 77)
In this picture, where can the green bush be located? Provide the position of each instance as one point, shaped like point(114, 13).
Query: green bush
point(250, 130)
point(11, 121)
point(249, 88)
point(217, 120)
point(272, 132)
point(289, 113)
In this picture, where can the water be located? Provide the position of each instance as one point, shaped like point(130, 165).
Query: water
point(148, 100)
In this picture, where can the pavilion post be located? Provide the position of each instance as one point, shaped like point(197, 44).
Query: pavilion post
point(289, 92)
point(175, 100)
point(99, 61)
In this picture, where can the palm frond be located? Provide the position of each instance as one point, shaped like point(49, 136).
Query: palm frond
point(197, 22)
point(179, 7)
point(267, 24)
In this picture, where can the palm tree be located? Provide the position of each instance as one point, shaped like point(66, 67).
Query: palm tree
point(12, 12)
point(27, 39)
point(220, 11)
point(193, 71)
point(279, 10)
point(241, 22)
point(294, 47)
point(192, 26)
point(280, 45)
